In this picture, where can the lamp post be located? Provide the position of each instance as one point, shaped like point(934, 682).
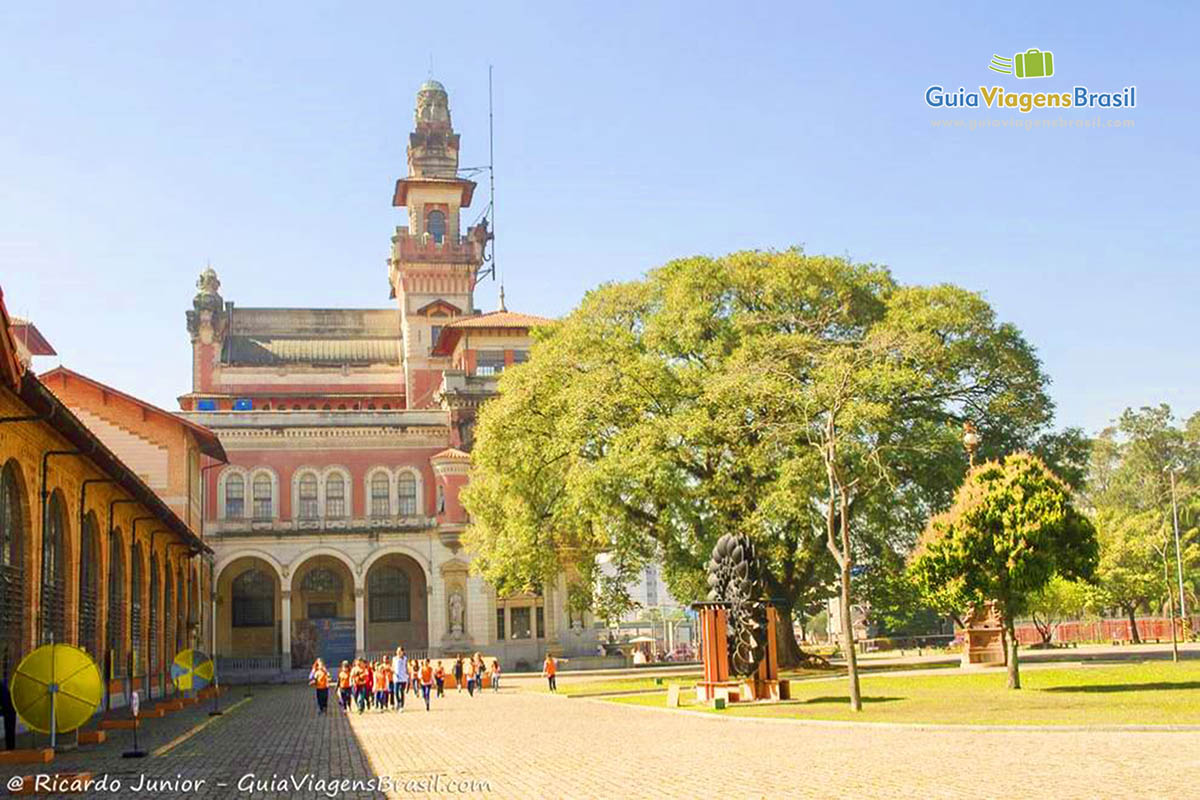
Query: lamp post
point(970, 440)
point(1171, 469)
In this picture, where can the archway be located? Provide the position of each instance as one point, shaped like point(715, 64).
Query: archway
point(116, 604)
point(14, 550)
point(397, 604)
point(248, 609)
point(135, 611)
point(54, 571)
point(156, 633)
point(89, 586)
point(322, 611)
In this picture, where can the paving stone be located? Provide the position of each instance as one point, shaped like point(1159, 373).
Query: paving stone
point(525, 745)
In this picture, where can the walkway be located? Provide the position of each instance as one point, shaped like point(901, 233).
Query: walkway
point(525, 745)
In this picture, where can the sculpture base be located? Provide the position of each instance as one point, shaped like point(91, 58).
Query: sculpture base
point(747, 690)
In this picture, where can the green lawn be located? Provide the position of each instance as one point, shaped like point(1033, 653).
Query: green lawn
point(647, 683)
point(1150, 693)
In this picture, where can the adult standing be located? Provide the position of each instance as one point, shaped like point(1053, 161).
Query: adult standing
point(400, 677)
point(477, 665)
point(549, 670)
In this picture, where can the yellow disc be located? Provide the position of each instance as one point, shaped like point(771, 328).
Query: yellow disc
point(192, 670)
point(67, 674)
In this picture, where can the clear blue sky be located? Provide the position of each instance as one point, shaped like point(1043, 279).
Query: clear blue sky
point(140, 140)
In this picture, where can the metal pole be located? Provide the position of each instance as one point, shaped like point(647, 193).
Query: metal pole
point(1178, 556)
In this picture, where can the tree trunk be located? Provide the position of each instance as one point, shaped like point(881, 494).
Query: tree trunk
point(1014, 670)
point(791, 655)
point(1135, 636)
point(848, 641)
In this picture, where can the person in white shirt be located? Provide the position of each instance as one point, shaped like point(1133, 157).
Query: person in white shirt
point(399, 677)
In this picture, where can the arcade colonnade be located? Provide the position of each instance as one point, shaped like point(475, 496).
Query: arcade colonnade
point(374, 597)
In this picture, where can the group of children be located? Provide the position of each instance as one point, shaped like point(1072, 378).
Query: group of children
point(382, 684)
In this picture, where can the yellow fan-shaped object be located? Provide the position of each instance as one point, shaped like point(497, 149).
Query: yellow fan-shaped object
point(192, 671)
point(62, 673)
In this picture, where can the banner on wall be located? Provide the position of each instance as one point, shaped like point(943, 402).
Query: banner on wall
point(331, 640)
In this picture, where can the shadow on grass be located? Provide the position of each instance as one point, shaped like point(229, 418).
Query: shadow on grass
point(1105, 688)
point(842, 699)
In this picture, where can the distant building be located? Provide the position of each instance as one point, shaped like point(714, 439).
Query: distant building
point(337, 522)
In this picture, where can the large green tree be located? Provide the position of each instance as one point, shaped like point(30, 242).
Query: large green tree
point(1129, 491)
point(1012, 529)
point(809, 402)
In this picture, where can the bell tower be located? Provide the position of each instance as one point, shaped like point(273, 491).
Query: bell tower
point(433, 267)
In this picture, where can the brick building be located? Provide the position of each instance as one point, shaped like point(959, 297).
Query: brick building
point(90, 554)
point(336, 524)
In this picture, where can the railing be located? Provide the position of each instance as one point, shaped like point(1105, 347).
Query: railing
point(249, 668)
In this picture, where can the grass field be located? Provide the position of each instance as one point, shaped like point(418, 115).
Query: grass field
point(1139, 693)
point(647, 683)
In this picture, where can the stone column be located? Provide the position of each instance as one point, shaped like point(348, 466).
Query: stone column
point(286, 659)
point(360, 617)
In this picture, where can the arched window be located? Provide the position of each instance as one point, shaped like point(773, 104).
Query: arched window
point(308, 496)
point(135, 608)
point(388, 589)
point(407, 485)
point(89, 585)
point(155, 616)
point(12, 573)
point(253, 600)
point(54, 572)
point(335, 496)
point(180, 618)
point(381, 505)
point(235, 497)
point(168, 613)
point(262, 496)
point(435, 225)
point(322, 580)
point(116, 604)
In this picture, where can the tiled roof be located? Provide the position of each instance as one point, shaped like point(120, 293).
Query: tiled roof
point(451, 454)
point(499, 319)
point(210, 445)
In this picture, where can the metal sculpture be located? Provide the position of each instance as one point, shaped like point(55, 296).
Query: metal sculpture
point(735, 580)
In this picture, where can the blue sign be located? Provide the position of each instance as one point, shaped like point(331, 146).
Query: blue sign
point(331, 640)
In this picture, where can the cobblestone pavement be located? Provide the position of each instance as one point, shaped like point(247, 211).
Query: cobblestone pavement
point(525, 745)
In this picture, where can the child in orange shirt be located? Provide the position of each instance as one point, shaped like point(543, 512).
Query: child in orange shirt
point(439, 677)
point(382, 678)
point(344, 685)
point(426, 681)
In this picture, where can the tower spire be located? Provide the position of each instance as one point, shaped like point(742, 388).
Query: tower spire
point(502, 306)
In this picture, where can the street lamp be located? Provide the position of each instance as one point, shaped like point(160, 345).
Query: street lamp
point(971, 440)
point(1171, 469)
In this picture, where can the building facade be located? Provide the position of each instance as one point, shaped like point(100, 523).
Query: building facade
point(90, 554)
point(337, 522)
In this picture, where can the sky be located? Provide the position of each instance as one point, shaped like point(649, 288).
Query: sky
point(141, 141)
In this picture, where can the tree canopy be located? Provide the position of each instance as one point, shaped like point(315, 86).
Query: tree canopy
point(1013, 528)
point(761, 393)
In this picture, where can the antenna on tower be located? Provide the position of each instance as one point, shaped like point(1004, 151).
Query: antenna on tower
point(492, 172)
point(488, 216)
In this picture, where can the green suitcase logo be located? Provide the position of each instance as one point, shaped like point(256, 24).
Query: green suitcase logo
point(1034, 63)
